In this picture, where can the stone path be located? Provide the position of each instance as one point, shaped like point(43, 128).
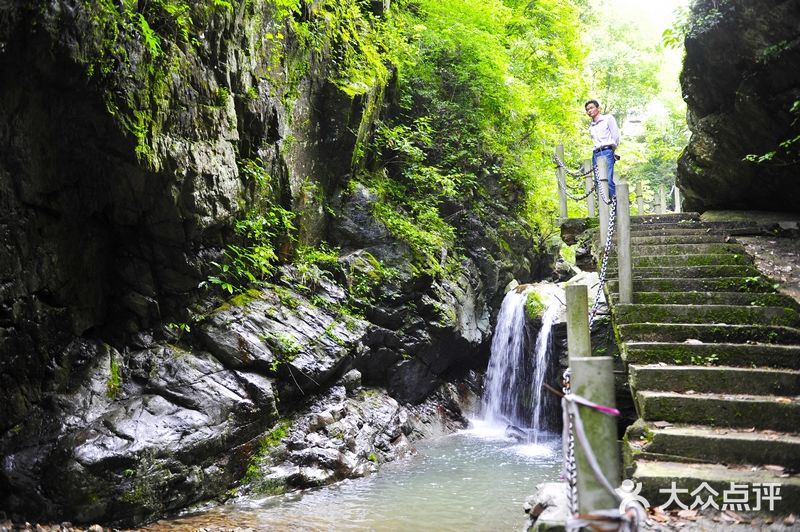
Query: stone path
point(713, 358)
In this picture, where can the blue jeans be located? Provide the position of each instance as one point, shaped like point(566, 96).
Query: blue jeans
point(608, 155)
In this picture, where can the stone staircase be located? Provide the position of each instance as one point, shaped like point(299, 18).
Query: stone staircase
point(713, 359)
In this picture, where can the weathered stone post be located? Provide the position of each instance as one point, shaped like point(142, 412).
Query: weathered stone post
point(602, 173)
point(662, 199)
point(562, 183)
point(624, 259)
point(677, 199)
point(579, 343)
point(639, 198)
point(593, 379)
point(587, 167)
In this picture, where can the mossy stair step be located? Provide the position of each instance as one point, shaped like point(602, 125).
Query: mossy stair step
point(689, 272)
point(726, 314)
point(719, 354)
point(688, 231)
point(669, 217)
point(719, 379)
point(688, 249)
point(703, 238)
point(697, 227)
point(698, 443)
point(708, 333)
point(657, 477)
point(754, 284)
point(712, 298)
point(654, 261)
point(720, 410)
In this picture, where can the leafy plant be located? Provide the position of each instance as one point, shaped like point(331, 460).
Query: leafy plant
point(255, 259)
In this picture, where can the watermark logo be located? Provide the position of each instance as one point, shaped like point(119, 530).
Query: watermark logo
point(736, 498)
point(629, 492)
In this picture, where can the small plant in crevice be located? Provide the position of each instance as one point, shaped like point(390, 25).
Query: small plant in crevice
point(114, 384)
point(255, 259)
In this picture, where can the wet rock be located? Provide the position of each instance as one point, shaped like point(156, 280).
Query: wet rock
point(740, 80)
point(172, 434)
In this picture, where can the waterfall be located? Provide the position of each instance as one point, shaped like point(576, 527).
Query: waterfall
point(513, 391)
point(541, 362)
point(503, 388)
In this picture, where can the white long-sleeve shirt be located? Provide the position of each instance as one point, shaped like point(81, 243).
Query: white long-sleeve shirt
point(604, 131)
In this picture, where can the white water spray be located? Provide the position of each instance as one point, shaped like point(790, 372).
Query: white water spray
point(513, 390)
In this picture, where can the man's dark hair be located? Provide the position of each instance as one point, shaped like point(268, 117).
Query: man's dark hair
point(595, 102)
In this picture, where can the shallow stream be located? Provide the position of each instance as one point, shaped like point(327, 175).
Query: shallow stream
point(473, 480)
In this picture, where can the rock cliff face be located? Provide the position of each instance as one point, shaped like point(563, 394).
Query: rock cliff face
point(121, 176)
point(741, 80)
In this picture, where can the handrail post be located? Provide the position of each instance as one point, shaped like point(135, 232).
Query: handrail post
point(624, 258)
point(593, 379)
point(602, 182)
point(677, 199)
point(562, 183)
point(639, 198)
point(662, 200)
point(590, 194)
point(579, 343)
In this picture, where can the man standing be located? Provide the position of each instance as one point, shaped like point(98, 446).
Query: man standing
point(605, 136)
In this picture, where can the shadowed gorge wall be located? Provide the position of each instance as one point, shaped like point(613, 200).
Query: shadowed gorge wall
point(741, 82)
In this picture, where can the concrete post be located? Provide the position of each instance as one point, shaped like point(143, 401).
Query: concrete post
point(639, 198)
point(602, 173)
point(662, 198)
point(590, 199)
point(562, 183)
point(593, 378)
point(624, 259)
point(579, 343)
point(677, 199)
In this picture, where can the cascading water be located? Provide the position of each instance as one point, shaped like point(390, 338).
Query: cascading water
point(513, 390)
point(541, 363)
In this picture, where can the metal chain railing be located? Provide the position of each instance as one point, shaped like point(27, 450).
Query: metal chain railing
point(568, 443)
point(576, 198)
point(573, 173)
point(612, 215)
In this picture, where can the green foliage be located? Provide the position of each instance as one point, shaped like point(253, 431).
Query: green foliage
point(534, 306)
point(787, 153)
point(485, 87)
point(284, 348)
point(254, 260)
point(255, 475)
point(114, 384)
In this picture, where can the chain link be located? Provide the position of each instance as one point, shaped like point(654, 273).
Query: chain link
point(573, 173)
point(612, 216)
point(570, 466)
point(576, 198)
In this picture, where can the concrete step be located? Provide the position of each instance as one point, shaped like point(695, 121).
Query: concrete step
point(689, 231)
point(654, 261)
point(708, 333)
point(720, 410)
point(719, 379)
point(693, 272)
point(705, 238)
point(697, 443)
point(698, 227)
point(668, 217)
point(710, 284)
point(687, 249)
point(711, 298)
point(726, 314)
point(659, 478)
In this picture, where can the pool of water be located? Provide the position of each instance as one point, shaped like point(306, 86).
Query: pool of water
point(473, 480)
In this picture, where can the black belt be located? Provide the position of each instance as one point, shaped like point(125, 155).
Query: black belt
point(602, 148)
